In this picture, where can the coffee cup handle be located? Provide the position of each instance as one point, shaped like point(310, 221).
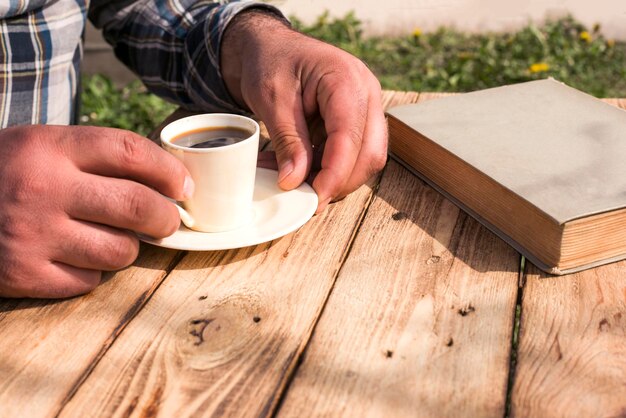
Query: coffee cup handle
point(184, 215)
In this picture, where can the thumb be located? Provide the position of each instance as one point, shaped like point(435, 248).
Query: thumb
point(289, 134)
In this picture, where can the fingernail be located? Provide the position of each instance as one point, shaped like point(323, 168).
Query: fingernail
point(188, 188)
point(286, 168)
point(322, 206)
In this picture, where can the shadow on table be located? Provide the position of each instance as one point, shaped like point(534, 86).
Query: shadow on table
point(9, 305)
point(151, 258)
point(198, 260)
point(453, 232)
point(409, 383)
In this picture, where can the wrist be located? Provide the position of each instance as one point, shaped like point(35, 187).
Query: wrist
point(243, 38)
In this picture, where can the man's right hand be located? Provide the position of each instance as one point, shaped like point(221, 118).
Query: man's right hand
point(69, 199)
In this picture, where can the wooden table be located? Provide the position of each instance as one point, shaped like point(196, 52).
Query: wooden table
point(391, 303)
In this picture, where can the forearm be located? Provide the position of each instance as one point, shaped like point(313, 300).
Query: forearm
point(243, 38)
point(175, 51)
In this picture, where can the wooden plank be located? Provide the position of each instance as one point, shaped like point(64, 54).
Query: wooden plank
point(571, 359)
point(393, 98)
point(223, 333)
point(616, 102)
point(430, 96)
point(49, 347)
point(420, 320)
point(613, 102)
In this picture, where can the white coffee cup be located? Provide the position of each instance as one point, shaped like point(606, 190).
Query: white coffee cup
point(224, 176)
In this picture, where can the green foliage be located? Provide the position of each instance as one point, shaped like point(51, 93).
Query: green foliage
point(448, 60)
point(444, 60)
point(345, 32)
point(130, 107)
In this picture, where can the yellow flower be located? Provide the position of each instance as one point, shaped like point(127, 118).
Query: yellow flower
point(585, 36)
point(464, 55)
point(417, 32)
point(539, 67)
point(610, 43)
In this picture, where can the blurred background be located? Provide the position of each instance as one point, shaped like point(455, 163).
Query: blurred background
point(400, 16)
point(422, 45)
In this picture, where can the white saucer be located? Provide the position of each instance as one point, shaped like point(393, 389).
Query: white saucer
point(276, 213)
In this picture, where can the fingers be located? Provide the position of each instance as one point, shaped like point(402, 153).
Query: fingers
point(373, 153)
point(123, 154)
point(286, 124)
point(123, 204)
point(267, 159)
point(344, 109)
point(69, 281)
point(71, 264)
point(95, 247)
point(55, 280)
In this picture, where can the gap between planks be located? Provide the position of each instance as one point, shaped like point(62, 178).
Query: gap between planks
point(336, 370)
point(517, 317)
point(389, 99)
point(274, 402)
point(70, 335)
point(132, 312)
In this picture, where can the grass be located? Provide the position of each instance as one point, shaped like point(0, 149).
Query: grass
point(131, 107)
point(449, 60)
point(444, 60)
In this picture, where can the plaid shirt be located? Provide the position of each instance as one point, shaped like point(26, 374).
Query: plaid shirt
point(172, 45)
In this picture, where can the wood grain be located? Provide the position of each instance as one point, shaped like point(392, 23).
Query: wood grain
point(420, 320)
point(49, 347)
point(572, 351)
point(223, 333)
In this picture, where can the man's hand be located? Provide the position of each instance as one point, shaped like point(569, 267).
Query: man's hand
point(321, 105)
point(69, 197)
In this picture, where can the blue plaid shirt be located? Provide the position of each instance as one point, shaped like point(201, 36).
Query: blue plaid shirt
point(172, 45)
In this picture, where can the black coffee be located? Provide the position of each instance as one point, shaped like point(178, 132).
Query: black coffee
point(212, 137)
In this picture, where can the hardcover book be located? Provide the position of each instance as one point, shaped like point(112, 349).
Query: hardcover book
point(541, 164)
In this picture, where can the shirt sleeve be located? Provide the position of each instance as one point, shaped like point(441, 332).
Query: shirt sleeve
point(174, 45)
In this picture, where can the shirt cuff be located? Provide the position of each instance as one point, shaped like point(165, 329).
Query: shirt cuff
point(204, 82)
